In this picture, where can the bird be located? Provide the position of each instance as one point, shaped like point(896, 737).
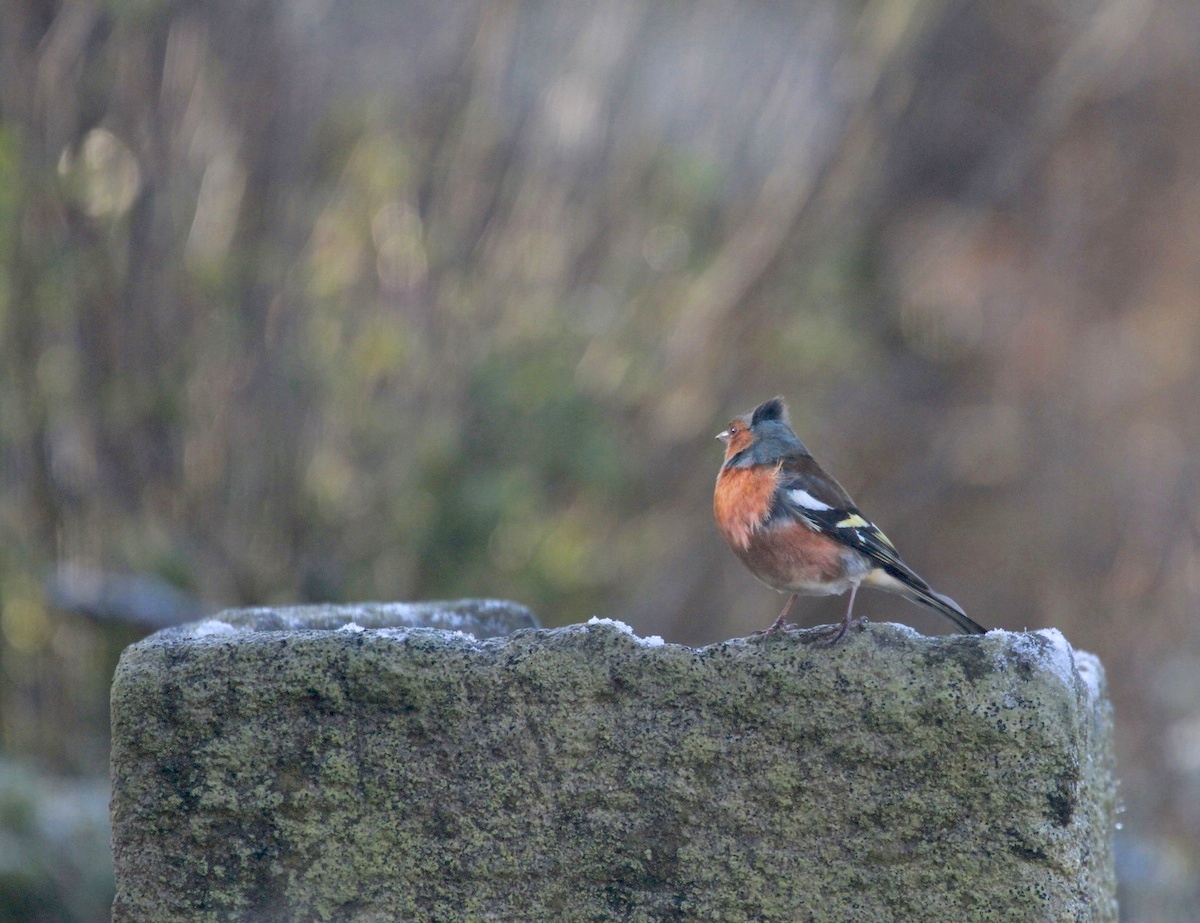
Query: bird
point(797, 530)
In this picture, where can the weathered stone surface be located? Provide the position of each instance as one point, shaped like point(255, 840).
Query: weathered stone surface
point(584, 774)
point(483, 618)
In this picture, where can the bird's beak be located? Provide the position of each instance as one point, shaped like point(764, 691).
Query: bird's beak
point(724, 436)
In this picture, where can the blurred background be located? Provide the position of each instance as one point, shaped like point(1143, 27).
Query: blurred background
point(309, 301)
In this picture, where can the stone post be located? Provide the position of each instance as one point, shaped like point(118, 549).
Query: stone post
point(334, 763)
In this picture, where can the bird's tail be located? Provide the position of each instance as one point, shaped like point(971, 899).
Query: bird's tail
point(897, 578)
point(946, 606)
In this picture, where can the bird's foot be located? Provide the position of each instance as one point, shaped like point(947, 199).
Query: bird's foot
point(779, 627)
point(780, 624)
point(835, 633)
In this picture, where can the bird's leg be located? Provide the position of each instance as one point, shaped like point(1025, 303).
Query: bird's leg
point(839, 632)
point(779, 624)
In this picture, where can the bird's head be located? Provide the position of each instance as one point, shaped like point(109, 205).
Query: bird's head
point(760, 435)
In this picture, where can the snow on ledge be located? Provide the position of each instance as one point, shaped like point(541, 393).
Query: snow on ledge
point(210, 627)
point(651, 641)
point(1052, 652)
point(1090, 671)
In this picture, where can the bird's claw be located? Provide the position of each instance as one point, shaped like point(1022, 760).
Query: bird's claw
point(777, 628)
point(837, 632)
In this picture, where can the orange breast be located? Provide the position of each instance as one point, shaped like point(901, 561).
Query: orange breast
point(742, 502)
point(790, 556)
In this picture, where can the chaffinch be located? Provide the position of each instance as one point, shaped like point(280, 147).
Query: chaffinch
point(798, 531)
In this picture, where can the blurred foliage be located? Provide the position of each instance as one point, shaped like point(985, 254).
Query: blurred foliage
point(55, 865)
point(306, 302)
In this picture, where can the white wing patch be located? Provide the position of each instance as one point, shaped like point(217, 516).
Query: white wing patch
point(852, 521)
point(808, 501)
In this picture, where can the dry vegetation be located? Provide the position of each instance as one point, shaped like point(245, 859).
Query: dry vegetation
point(317, 301)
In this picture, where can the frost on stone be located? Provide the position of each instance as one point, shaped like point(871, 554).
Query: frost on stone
point(1051, 653)
point(615, 623)
point(482, 618)
point(1091, 672)
point(906, 630)
point(460, 636)
point(1055, 657)
point(210, 627)
point(651, 641)
point(396, 634)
